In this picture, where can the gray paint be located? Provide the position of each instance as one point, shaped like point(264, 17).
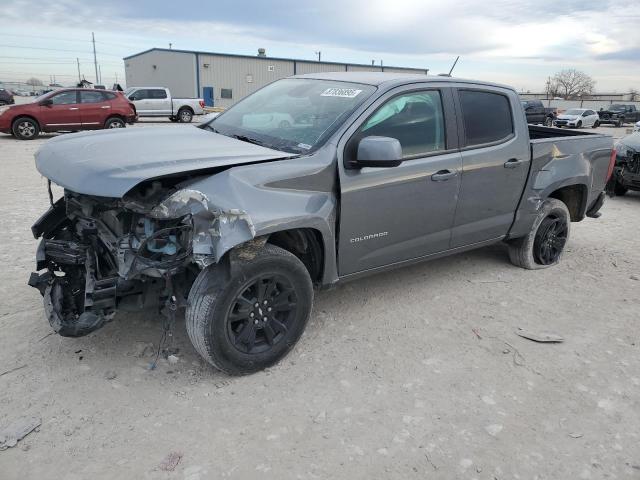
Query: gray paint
point(109, 164)
point(396, 215)
point(176, 71)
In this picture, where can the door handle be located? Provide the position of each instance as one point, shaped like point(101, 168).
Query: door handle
point(513, 163)
point(73, 108)
point(443, 175)
point(106, 106)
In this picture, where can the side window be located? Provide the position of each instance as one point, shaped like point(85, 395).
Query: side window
point(158, 94)
point(110, 96)
point(486, 116)
point(139, 95)
point(226, 93)
point(415, 119)
point(65, 98)
point(91, 96)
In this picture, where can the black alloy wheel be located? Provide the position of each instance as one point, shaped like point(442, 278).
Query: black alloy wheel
point(262, 313)
point(550, 240)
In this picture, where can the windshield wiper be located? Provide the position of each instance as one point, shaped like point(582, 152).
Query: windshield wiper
point(244, 138)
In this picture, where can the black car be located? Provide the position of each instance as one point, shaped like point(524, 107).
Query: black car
point(626, 172)
point(6, 97)
point(618, 114)
point(537, 113)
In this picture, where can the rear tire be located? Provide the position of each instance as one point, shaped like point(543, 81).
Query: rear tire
point(185, 115)
point(115, 122)
point(25, 128)
point(544, 245)
point(229, 330)
point(619, 189)
point(548, 122)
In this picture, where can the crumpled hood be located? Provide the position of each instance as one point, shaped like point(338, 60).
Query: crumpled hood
point(109, 163)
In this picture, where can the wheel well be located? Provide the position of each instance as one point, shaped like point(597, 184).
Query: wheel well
point(575, 198)
point(306, 244)
point(119, 117)
point(185, 107)
point(25, 116)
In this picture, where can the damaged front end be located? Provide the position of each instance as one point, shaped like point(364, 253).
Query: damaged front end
point(98, 254)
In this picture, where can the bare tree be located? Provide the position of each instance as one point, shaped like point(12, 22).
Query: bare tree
point(34, 82)
point(633, 94)
point(571, 83)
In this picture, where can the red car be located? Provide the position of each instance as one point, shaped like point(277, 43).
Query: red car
point(69, 110)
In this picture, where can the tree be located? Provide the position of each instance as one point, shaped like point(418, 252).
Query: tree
point(571, 83)
point(34, 82)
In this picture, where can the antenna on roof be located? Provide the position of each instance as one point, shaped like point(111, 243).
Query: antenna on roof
point(454, 65)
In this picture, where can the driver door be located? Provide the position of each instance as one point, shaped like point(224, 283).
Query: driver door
point(63, 113)
point(392, 215)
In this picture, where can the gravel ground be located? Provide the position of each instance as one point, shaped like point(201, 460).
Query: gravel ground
point(411, 374)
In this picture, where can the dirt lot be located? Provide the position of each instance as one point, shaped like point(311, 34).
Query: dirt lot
point(411, 374)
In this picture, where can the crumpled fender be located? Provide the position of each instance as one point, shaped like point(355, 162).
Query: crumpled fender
point(242, 203)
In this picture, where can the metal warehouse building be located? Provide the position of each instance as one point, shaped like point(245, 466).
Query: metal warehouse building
point(221, 78)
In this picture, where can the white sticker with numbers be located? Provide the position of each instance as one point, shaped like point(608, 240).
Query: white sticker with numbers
point(341, 92)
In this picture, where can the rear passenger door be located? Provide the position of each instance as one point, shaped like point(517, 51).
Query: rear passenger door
point(159, 102)
point(495, 164)
point(94, 108)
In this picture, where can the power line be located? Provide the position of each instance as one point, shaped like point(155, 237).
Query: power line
point(47, 37)
point(55, 49)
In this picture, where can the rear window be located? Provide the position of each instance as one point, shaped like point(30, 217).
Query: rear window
point(157, 94)
point(90, 96)
point(486, 116)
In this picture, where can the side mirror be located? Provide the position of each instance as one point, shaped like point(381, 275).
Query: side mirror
point(46, 102)
point(379, 152)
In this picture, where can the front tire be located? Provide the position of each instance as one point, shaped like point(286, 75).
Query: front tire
point(548, 122)
point(579, 124)
point(596, 124)
point(544, 245)
point(185, 115)
point(246, 318)
point(25, 128)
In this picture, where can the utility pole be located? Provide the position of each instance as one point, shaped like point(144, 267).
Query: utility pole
point(319, 55)
point(99, 74)
point(95, 60)
point(116, 77)
point(78, 60)
point(170, 45)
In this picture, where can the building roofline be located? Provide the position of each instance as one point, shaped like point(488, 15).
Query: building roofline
point(236, 55)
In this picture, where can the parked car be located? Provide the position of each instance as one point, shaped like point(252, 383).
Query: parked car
point(6, 97)
point(618, 114)
point(158, 102)
point(626, 173)
point(67, 110)
point(238, 224)
point(636, 127)
point(536, 112)
point(577, 118)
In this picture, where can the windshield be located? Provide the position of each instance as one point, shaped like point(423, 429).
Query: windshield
point(573, 111)
point(295, 115)
point(615, 108)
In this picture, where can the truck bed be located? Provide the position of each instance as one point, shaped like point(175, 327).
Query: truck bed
point(563, 158)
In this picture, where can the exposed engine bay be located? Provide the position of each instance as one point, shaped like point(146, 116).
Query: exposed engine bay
point(98, 254)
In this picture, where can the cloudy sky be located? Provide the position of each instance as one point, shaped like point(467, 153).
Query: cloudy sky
point(518, 42)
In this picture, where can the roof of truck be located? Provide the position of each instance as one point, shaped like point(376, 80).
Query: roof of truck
point(390, 78)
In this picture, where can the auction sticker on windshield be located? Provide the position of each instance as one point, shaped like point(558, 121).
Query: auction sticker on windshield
point(341, 92)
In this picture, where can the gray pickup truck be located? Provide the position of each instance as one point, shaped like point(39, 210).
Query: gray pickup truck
point(239, 218)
